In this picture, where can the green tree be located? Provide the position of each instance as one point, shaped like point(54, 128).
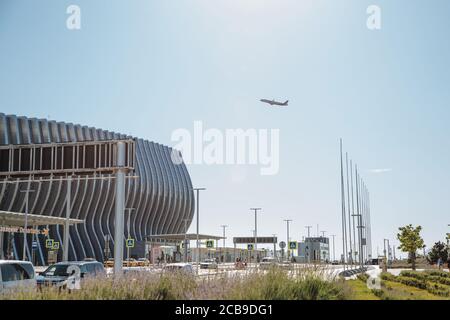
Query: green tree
point(410, 241)
point(439, 250)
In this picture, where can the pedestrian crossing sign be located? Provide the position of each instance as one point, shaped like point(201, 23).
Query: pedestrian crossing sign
point(130, 243)
point(49, 243)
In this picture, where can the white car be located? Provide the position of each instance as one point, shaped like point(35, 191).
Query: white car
point(268, 262)
point(209, 264)
point(16, 274)
point(185, 268)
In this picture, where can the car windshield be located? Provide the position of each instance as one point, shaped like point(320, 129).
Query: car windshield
point(60, 270)
point(56, 270)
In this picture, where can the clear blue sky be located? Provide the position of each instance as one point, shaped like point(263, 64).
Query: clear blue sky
point(147, 68)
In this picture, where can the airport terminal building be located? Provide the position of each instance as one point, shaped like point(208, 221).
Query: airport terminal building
point(48, 162)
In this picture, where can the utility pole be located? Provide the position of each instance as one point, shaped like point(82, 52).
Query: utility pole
point(353, 214)
point(287, 237)
point(119, 209)
point(185, 240)
point(66, 222)
point(350, 253)
point(129, 210)
point(309, 228)
point(224, 226)
point(256, 228)
point(198, 225)
point(274, 246)
point(384, 250)
point(334, 256)
point(25, 243)
point(393, 249)
point(358, 215)
point(343, 223)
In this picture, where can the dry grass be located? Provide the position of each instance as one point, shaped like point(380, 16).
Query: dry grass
point(274, 284)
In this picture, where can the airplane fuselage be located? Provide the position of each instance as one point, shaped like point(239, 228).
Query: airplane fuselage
point(275, 103)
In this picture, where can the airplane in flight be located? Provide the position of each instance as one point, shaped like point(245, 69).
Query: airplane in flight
point(275, 103)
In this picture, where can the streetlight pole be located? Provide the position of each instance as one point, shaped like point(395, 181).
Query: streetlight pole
point(25, 243)
point(224, 226)
point(287, 236)
point(198, 225)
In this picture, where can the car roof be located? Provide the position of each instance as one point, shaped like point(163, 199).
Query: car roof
point(14, 261)
point(75, 262)
point(178, 264)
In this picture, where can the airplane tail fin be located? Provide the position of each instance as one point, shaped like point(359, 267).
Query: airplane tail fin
point(286, 102)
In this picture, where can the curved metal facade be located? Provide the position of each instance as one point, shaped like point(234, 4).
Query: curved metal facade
point(162, 195)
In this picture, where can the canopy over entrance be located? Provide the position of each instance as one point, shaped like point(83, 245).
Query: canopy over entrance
point(178, 237)
point(17, 219)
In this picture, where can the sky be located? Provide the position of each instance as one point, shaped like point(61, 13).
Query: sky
point(147, 68)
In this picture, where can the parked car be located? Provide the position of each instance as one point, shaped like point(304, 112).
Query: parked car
point(16, 275)
point(268, 262)
point(208, 264)
point(335, 262)
point(57, 274)
point(143, 262)
point(130, 262)
point(286, 264)
point(109, 263)
point(179, 267)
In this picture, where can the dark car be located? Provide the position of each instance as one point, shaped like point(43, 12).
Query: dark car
point(57, 274)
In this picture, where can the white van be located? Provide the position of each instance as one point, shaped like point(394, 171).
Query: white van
point(15, 274)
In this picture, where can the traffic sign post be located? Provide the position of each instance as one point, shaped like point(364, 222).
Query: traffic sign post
point(282, 245)
point(129, 244)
